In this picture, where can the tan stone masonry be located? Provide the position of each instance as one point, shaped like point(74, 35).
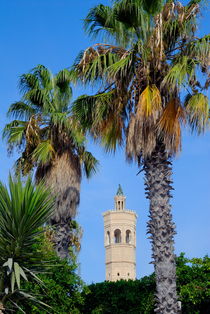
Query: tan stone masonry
point(120, 240)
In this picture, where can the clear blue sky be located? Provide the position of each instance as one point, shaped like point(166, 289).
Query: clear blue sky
point(49, 32)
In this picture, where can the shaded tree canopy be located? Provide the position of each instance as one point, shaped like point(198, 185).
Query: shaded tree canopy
point(137, 297)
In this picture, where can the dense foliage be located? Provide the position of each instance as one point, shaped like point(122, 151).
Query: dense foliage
point(121, 297)
point(62, 289)
point(193, 280)
point(60, 286)
point(137, 296)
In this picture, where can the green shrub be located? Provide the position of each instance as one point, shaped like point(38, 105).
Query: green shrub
point(137, 297)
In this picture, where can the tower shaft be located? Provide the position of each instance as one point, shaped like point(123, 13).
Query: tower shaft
point(120, 241)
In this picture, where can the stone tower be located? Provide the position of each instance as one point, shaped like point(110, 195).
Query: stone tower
point(120, 240)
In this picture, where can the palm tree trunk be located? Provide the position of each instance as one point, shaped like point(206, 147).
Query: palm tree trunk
point(63, 176)
point(158, 186)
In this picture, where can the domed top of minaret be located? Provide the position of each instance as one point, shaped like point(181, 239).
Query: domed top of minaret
point(119, 199)
point(119, 191)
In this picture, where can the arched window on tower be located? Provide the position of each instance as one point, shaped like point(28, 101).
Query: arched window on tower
point(108, 238)
point(128, 236)
point(117, 236)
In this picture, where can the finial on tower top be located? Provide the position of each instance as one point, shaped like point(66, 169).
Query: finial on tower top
point(119, 191)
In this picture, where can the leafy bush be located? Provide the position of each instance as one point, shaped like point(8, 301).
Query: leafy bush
point(137, 297)
point(193, 280)
point(61, 288)
point(132, 296)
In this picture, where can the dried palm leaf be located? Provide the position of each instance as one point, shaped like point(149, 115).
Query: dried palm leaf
point(169, 125)
point(149, 103)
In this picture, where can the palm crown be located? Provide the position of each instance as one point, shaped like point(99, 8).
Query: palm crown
point(154, 79)
point(50, 141)
point(46, 128)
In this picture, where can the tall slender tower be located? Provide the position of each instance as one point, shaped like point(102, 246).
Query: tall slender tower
point(120, 240)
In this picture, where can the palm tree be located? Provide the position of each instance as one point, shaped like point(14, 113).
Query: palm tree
point(151, 80)
point(53, 143)
point(24, 208)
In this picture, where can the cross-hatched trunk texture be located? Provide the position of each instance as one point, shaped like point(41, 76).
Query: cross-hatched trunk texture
point(162, 229)
point(63, 176)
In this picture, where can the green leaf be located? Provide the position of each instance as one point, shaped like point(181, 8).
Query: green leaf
point(153, 6)
point(9, 263)
point(177, 75)
point(30, 297)
point(23, 274)
point(197, 107)
point(20, 110)
point(17, 274)
point(13, 281)
point(34, 276)
point(90, 163)
point(44, 152)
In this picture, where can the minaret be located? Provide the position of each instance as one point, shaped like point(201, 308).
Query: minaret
point(120, 240)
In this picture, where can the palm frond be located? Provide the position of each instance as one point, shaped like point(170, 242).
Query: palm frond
point(149, 102)
point(179, 23)
point(181, 71)
point(44, 76)
point(82, 110)
point(133, 15)
point(91, 111)
point(112, 133)
point(62, 80)
point(76, 132)
point(169, 125)
point(14, 133)
point(101, 21)
point(102, 114)
point(122, 69)
point(200, 50)
point(95, 61)
point(90, 163)
point(38, 98)
point(97, 20)
point(20, 110)
point(27, 82)
point(43, 153)
point(153, 6)
point(59, 119)
point(197, 108)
